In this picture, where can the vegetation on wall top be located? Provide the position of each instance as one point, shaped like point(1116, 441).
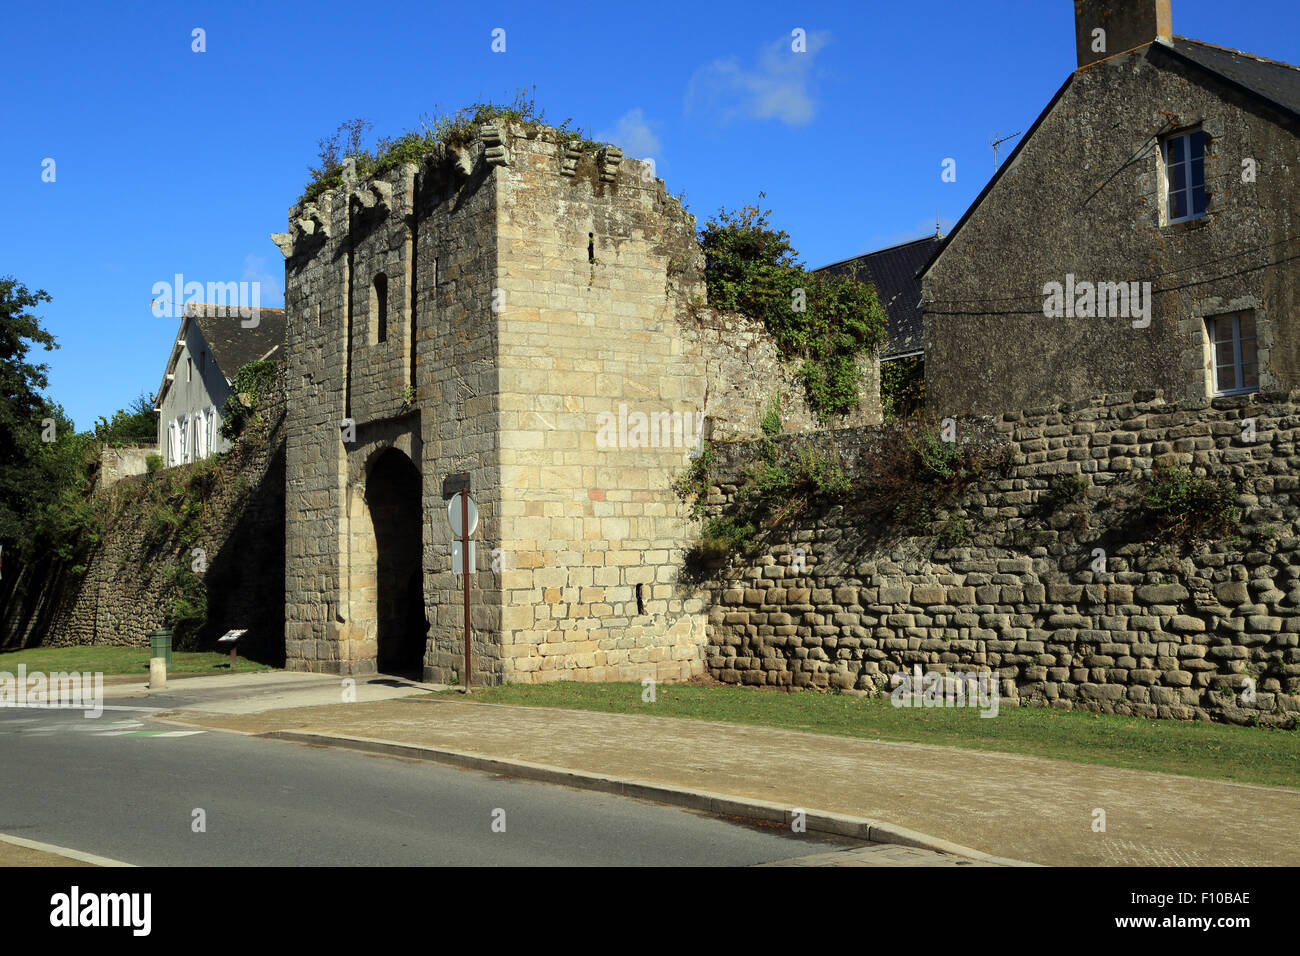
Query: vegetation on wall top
point(434, 129)
point(825, 322)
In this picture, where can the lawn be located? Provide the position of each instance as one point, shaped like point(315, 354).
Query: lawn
point(119, 660)
point(1190, 748)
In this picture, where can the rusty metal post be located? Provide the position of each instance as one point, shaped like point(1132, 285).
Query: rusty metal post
point(464, 557)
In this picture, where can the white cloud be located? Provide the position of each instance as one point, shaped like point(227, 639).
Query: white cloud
point(272, 285)
point(779, 86)
point(633, 132)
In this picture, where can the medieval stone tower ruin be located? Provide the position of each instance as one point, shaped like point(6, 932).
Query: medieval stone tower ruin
point(505, 309)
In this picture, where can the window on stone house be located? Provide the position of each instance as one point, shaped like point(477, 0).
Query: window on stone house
point(1234, 357)
point(1184, 176)
point(379, 309)
point(189, 369)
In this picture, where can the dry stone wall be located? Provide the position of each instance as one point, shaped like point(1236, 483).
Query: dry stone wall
point(832, 599)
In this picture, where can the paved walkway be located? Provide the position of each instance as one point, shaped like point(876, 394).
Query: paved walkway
point(1021, 807)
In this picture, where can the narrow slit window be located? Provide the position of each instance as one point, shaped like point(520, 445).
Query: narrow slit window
point(379, 309)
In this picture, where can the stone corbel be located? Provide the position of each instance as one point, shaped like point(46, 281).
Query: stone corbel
point(285, 241)
point(374, 193)
point(464, 160)
point(312, 223)
point(610, 158)
point(569, 160)
point(495, 152)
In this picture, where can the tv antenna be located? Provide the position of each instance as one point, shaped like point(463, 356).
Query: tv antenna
point(996, 142)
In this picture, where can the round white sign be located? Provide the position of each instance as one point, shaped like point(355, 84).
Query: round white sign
point(453, 514)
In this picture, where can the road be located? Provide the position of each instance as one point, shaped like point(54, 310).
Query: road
point(126, 788)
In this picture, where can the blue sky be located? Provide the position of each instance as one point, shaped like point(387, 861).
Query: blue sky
point(168, 160)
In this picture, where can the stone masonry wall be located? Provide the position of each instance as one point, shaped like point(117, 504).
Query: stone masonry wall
point(125, 590)
point(534, 291)
point(124, 461)
point(1084, 196)
point(1160, 633)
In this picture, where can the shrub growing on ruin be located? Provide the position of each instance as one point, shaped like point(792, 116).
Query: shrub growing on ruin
point(1189, 506)
point(827, 323)
point(902, 387)
point(252, 384)
point(434, 129)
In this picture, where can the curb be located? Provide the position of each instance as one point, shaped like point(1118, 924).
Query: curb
point(62, 851)
point(718, 804)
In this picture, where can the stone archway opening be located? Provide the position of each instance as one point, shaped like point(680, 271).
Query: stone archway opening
point(393, 495)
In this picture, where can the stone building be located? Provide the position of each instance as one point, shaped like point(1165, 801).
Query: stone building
point(519, 312)
point(1144, 234)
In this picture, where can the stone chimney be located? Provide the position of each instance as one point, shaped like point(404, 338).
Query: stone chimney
point(1123, 24)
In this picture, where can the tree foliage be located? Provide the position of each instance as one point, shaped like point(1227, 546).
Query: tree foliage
point(28, 465)
point(826, 322)
point(135, 424)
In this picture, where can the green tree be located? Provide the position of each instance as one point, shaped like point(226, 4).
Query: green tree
point(26, 462)
point(138, 422)
point(826, 322)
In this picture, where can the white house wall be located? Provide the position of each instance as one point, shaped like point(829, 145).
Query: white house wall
point(192, 393)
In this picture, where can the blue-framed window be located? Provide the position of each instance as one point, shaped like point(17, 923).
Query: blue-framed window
point(1184, 157)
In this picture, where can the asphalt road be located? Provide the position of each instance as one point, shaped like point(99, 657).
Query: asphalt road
point(118, 787)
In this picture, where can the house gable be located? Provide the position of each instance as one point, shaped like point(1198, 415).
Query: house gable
point(1081, 197)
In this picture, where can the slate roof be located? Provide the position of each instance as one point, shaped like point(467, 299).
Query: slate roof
point(1277, 82)
point(234, 346)
point(895, 273)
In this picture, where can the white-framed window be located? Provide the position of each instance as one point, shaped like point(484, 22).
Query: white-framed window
point(183, 426)
point(212, 428)
point(189, 369)
point(1234, 355)
point(1184, 176)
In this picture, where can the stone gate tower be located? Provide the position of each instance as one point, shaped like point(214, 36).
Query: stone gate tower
point(506, 309)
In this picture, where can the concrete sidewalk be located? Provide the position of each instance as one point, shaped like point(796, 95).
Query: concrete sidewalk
point(1010, 806)
point(259, 691)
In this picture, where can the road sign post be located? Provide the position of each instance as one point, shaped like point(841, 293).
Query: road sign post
point(462, 514)
point(464, 551)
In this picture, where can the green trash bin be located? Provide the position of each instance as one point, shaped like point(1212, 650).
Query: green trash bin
point(160, 644)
